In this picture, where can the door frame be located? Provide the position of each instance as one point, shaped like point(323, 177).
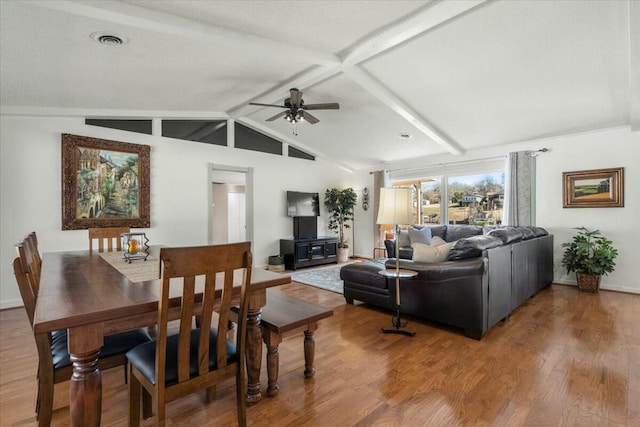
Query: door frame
point(248, 171)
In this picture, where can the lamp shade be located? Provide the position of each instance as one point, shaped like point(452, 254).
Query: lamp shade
point(395, 206)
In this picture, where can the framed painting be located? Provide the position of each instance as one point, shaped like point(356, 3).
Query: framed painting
point(104, 183)
point(598, 188)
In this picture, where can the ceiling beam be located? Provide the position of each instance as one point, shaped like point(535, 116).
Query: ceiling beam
point(424, 20)
point(401, 108)
point(153, 20)
point(634, 65)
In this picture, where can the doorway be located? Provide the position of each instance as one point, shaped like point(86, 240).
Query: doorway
point(230, 206)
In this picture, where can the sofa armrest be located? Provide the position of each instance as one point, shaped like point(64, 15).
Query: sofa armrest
point(405, 253)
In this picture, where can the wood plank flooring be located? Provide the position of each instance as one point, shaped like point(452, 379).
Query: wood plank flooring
point(562, 359)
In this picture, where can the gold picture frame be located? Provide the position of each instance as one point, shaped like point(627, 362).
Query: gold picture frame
point(597, 188)
point(104, 183)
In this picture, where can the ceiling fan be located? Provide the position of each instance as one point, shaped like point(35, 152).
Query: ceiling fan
point(296, 110)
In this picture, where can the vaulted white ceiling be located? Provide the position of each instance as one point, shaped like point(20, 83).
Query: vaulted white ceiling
point(455, 75)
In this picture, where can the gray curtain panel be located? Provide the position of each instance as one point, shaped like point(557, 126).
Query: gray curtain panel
point(520, 192)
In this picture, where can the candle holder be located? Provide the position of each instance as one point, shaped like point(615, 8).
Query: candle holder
point(134, 246)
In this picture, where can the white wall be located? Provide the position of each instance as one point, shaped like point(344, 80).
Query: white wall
point(594, 150)
point(30, 196)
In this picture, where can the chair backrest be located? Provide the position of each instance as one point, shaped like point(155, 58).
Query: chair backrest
point(108, 235)
point(214, 264)
point(30, 247)
point(32, 241)
point(26, 288)
point(27, 271)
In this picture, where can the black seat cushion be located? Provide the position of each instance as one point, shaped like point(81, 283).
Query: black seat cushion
point(143, 357)
point(457, 232)
point(472, 247)
point(113, 344)
point(507, 234)
point(365, 272)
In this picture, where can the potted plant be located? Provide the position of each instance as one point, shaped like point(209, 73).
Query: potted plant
point(340, 204)
point(590, 255)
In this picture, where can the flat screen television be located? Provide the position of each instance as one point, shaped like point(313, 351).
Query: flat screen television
point(302, 204)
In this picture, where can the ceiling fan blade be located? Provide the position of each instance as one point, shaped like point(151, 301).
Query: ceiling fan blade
point(309, 118)
point(277, 116)
point(326, 106)
point(296, 97)
point(266, 105)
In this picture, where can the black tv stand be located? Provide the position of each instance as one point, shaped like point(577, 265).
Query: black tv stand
point(300, 253)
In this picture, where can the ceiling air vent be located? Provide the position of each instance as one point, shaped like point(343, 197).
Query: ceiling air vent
point(108, 39)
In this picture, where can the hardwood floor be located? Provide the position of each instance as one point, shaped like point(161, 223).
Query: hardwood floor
point(563, 358)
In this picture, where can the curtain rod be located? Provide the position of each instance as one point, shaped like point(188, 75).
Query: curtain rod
point(486, 159)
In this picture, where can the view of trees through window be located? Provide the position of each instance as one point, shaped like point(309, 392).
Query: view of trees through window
point(470, 199)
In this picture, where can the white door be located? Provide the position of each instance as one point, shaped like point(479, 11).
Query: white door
point(236, 209)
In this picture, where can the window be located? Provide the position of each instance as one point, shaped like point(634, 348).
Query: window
point(208, 131)
point(294, 152)
point(249, 139)
point(130, 125)
point(460, 198)
point(475, 199)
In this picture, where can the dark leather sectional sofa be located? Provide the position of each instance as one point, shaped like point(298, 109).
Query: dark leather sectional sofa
point(489, 273)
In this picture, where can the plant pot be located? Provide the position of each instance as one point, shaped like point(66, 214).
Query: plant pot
point(588, 282)
point(343, 255)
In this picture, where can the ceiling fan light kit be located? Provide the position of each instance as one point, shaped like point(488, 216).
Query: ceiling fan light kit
point(296, 110)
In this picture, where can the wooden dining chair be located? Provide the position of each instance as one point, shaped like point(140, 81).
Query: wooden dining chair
point(54, 363)
point(194, 359)
point(31, 241)
point(108, 238)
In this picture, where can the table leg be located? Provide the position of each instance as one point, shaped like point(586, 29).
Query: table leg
point(309, 350)
point(254, 355)
point(272, 340)
point(85, 393)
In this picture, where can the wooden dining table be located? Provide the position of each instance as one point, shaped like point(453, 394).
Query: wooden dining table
point(90, 298)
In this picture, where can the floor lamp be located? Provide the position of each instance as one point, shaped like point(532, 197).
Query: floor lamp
point(395, 208)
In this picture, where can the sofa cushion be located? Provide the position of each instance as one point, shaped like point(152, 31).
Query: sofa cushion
point(507, 234)
point(437, 241)
point(457, 232)
point(472, 247)
point(365, 272)
point(487, 228)
point(403, 239)
point(420, 235)
point(431, 254)
point(438, 230)
point(538, 231)
point(527, 233)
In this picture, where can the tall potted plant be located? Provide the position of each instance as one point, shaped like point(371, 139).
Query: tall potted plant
point(340, 204)
point(590, 255)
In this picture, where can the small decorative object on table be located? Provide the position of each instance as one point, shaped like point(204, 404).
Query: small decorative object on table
point(135, 246)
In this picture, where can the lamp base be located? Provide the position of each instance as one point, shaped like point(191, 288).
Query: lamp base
point(398, 326)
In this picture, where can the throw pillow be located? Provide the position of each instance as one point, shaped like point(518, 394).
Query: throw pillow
point(403, 239)
point(420, 235)
point(437, 241)
point(431, 254)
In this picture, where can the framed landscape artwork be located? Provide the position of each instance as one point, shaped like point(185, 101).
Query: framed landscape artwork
point(104, 183)
point(598, 188)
